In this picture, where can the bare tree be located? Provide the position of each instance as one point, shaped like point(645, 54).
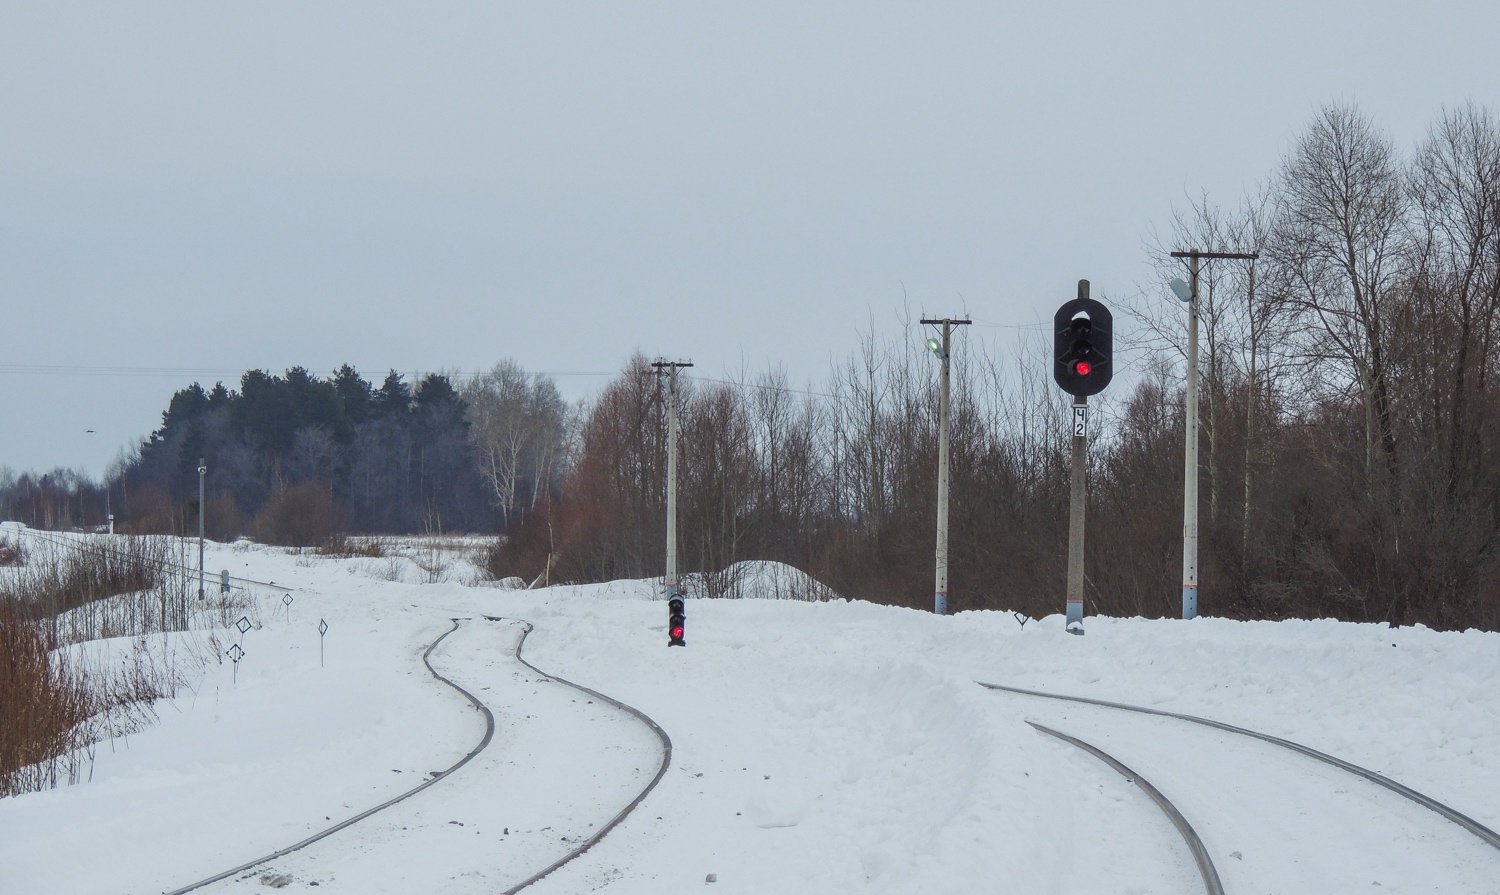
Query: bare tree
point(516, 423)
point(1340, 235)
point(1455, 185)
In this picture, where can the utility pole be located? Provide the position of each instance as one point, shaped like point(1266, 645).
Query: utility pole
point(1083, 346)
point(940, 596)
point(1076, 505)
point(202, 473)
point(676, 609)
point(1190, 458)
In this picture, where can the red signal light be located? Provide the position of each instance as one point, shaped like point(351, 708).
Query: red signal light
point(676, 632)
point(1082, 368)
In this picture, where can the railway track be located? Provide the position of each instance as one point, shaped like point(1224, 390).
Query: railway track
point(485, 740)
point(1206, 869)
point(1311, 823)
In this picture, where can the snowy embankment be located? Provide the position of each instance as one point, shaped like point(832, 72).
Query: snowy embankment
point(819, 747)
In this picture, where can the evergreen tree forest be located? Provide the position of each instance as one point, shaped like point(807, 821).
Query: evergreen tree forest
point(297, 459)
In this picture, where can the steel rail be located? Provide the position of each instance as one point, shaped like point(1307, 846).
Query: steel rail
point(489, 734)
point(1468, 823)
point(1195, 845)
point(666, 760)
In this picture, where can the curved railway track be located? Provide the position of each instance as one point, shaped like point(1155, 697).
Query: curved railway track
point(1484, 833)
point(661, 771)
point(489, 733)
point(1195, 845)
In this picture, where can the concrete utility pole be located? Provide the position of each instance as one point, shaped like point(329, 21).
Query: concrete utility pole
point(202, 473)
point(940, 596)
point(676, 614)
point(1077, 502)
point(1190, 459)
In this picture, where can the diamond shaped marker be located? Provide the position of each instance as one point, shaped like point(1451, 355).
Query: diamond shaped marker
point(322, 627)
point(286, 600)
point(243, 624)
point(235, 653)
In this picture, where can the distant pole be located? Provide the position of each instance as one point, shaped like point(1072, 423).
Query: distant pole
point(671, 482)
point(943, 351)
point(676, 610)
point(108, 513)
point(202, 474)
point(1190, 458)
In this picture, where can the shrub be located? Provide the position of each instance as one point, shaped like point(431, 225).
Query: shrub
point(344, 546)
point(12, 554)
point(304, 515)
point(42, 703)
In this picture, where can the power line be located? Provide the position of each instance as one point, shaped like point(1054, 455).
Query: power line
point(224, 373)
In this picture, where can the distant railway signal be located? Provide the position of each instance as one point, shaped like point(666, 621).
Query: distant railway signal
point(676, 621)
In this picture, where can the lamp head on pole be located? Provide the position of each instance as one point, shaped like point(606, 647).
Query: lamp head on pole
point(1182, 290)
point(936, 347)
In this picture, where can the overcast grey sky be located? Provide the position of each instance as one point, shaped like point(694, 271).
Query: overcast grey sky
point(210, 187)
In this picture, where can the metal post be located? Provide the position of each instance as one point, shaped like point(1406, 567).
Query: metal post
point(1076, 507)
point(202, 473)
point(671, 482)
point(1190, 460)
point(940, 598)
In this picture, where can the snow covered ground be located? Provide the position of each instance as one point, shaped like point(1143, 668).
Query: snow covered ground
point(818, 747)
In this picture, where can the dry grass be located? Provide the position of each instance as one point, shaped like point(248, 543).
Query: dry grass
point(57, 700)
point(54, 706)
point(345, 547)
point(92, 588)
point(12, 554)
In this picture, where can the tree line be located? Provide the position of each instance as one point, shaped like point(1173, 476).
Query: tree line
point(1347, 418)
point(296, 459)
point(1347, 403)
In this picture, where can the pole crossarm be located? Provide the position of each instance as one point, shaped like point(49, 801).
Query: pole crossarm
point(1244, 256)
point(952, 321)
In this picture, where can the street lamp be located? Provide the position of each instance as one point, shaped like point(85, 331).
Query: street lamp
point(940, 591)
point(1188, 293)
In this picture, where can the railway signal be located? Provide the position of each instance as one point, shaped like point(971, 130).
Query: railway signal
point(676, 621)
point(1083, 364)
point(1083, 346)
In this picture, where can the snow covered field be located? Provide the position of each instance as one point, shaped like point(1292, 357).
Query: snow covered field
point(818, 747)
